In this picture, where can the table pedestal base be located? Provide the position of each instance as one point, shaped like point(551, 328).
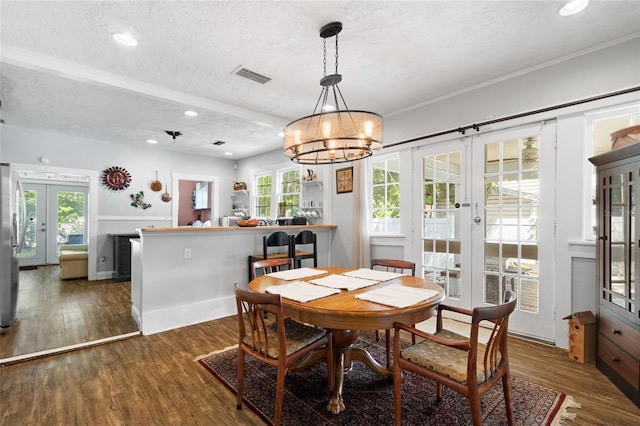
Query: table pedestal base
point(344, 354)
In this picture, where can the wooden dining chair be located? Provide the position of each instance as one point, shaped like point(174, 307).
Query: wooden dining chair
point(271, 265)
point(461, 363)
point(400, 267)
point(279, 342)
point(305, 238)
point(281, 241)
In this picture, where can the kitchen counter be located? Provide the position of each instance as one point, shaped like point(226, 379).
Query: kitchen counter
point(183, 276)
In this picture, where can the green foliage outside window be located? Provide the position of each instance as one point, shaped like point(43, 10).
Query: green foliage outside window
point(386, 195)
point(70, 214)
point(263, 196)
point(289, 193)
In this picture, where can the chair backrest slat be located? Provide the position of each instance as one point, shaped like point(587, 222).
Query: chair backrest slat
point(395, 265)
point(496, 346)
point(268, 266)
point(252, 323)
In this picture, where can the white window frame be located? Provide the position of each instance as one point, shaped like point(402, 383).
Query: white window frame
point(280, 194)
point(378, 158)
point(256, 195)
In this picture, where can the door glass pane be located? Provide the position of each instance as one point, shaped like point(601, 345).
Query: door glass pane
point(492, 158)
point(512, 191)
point(71, 220)
point(510, 156)
point(29, 245)
point(441, 221)
point(530, 153)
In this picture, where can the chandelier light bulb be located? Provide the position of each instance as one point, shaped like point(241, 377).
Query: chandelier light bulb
point(326, 129)
point(368, 128)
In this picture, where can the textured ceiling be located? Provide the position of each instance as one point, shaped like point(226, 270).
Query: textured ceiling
point(62, 71)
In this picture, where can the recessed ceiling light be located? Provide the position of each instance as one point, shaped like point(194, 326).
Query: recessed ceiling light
point(152, 141)
point(228, 153)
point(573, 7)
point(190, 113)
point(125, 39)
point(328, 108)
point(281, 134)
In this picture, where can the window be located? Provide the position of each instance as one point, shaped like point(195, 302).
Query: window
point(386, 194)
point(289, 194)
point(263, 195)
point(600, 125)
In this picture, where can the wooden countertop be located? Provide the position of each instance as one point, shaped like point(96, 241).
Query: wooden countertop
point(237, 228)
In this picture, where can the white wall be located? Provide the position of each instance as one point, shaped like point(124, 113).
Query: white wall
point(114, 211)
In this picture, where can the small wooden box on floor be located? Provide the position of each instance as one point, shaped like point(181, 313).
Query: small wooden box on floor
point(582, 336)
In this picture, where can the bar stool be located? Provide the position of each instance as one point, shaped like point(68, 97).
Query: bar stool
point(278, 239)
point(305, 238)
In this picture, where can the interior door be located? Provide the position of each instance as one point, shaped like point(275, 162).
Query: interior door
point(513, 235)
point(55, 216)
point(445, 217)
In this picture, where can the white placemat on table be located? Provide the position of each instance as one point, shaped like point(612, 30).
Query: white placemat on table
point(301, 291)
point(343, 281)
point(373, 274)
point(397, 295)
point(296, 274)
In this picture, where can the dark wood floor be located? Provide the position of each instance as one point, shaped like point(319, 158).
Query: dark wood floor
point(155, 380)
point(54, 313)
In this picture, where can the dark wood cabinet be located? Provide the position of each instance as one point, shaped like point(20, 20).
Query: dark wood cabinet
point(618, 259)
point(122, 256)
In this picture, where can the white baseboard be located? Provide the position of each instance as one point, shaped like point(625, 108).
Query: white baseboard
point(104, 275)
point(182, 316)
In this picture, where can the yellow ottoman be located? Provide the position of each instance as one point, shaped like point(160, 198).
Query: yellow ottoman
point(74, 261)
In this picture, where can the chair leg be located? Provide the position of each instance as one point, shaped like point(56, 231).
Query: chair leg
point(279, 394)
point(476, 410)
point(413, 336)
point(508, 402)
point(397, 393)
point(377, 336)
point(387, 335)
point(439, 392)
point(240, 378)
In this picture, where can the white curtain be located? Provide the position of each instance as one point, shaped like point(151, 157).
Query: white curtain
point(361, 213)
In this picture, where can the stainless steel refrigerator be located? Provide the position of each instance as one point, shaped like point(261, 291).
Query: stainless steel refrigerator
point(12, 221)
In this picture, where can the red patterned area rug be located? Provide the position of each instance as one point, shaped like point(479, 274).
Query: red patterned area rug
point(369, 397)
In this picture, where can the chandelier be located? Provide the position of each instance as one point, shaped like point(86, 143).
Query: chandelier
point(332, 134)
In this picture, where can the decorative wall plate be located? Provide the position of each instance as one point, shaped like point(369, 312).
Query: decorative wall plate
point(116, 178)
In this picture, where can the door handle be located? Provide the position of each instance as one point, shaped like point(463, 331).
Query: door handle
point(477, 219)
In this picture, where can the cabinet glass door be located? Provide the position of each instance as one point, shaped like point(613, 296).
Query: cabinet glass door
point(618, 218)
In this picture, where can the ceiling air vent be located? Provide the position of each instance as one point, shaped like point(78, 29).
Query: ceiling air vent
point(252, 75)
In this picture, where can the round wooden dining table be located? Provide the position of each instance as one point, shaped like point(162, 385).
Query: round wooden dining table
point(346, 316)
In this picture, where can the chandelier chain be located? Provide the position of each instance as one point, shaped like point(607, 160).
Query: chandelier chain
point(324, 56)
point(336, 53)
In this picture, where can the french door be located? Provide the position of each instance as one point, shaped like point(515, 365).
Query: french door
point(445, 215)
point(55, 216)
point(487, 222)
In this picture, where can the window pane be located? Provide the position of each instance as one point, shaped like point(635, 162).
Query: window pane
point(510, 156)
point(386, 195)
